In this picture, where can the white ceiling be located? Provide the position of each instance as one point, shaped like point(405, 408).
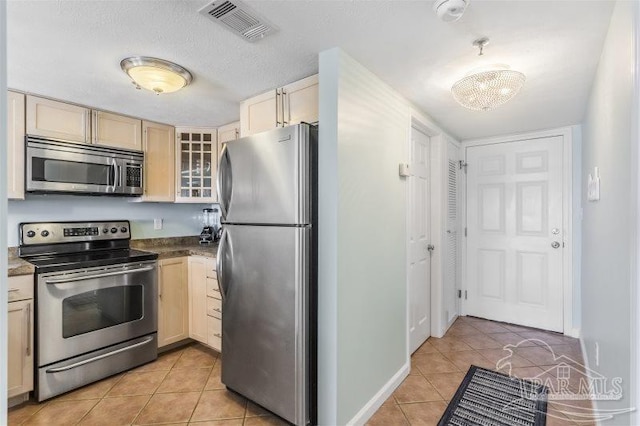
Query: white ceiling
point(72, 50)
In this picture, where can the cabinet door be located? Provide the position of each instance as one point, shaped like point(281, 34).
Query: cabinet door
point(116, 130)
point(259, 113)
point(301, 101)
point(198, 299)
point(159, 162)
point(173, 304)
point(226, 133)
point(20, 348)
point(196, 165)
point(58, 120)
point(15, 145)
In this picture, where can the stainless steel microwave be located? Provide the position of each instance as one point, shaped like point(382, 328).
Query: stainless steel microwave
point(58, 166)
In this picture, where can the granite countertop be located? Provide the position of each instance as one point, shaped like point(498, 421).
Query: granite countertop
point(17, 266)
point(176, 247)
point(165, 247)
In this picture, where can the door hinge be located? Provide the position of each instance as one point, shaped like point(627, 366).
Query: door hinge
point(465, 231)
point(459, 294)
point(465, 295)
point(431, 248)
point(463, 165)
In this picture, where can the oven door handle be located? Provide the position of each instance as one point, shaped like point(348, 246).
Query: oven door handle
point(90, 277)
point(99, 357)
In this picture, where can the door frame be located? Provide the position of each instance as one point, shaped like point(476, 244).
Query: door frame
point(571, 188)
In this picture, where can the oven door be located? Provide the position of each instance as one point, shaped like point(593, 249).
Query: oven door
point(84, 310)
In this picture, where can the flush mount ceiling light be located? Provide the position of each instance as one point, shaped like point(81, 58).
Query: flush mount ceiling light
point(485, 89)
point(155, 74)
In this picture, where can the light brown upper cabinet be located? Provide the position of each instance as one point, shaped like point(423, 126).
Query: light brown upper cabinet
point(15, 145)
point(116, 130)
point(196, 165)
point(58, 120)
point(226, 133)
point(159, 162)
point(291, 104)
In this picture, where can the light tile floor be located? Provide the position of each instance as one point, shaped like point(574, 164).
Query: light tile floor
point(183, 386)
point(439, 365)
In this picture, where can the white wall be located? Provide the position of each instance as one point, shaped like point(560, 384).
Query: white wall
point(178, 219)
point(609, 224)
point(3, 214)
point(362, 256)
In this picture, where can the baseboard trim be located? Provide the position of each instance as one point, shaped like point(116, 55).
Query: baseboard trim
point(574, 332)
point(380, 397)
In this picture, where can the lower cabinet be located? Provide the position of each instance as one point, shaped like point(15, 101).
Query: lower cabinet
point(190, 303)
point(20, 336)
point(173, 300)
point(205, 308)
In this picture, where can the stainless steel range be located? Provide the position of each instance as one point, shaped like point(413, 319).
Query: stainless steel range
point(96, 302)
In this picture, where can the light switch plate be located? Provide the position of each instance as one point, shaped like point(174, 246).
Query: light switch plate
point(593, 185)
point(403, 170)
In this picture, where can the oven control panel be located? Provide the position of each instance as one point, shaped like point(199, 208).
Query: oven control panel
point(69, 232)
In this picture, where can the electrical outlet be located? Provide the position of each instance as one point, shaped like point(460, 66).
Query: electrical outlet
point(157, 224)
point(597, 354)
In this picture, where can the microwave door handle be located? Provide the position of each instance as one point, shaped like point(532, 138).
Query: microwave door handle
point(114, 170)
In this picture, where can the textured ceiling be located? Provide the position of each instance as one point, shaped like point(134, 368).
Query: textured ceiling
point(72, 49)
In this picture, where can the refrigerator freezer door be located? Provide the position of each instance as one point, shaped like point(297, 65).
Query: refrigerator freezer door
point(265, 178)
point(265, 338)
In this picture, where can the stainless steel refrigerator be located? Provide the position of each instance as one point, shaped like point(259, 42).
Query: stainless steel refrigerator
point(267, 269)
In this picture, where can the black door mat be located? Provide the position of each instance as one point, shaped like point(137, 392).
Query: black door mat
point(487, 398)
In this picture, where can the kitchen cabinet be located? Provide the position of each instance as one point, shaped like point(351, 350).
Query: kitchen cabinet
point(57, 120)
point(226, 133)
point(173, 301)
point(20, 336)
point(291, 104)
point(214, 312)
point(159, 162)
point(198, 324)
point(205, 302)
point(196, 165)
point(116, 130)
point(15, 145)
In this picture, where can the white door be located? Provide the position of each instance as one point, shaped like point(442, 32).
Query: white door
point(419, 268)
point(515, 232)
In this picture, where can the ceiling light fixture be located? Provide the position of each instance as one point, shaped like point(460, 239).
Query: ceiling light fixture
point(450, 10)
point(155, 74)
point(485, 89)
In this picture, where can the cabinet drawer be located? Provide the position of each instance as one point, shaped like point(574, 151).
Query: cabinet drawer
point(214, 307)
point(211, 269)
point(20, 287)
point(213, 290)
point(214, 333)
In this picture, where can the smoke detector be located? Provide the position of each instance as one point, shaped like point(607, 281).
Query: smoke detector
point(450, 10)
point(239, 19)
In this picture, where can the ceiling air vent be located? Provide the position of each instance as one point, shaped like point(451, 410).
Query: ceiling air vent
point(239, 18)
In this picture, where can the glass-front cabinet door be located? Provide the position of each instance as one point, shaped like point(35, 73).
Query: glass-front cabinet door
point(197, 150)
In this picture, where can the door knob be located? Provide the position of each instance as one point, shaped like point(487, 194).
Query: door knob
point(555, 244)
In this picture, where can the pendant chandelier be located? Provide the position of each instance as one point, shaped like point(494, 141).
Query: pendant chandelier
point(489, 87)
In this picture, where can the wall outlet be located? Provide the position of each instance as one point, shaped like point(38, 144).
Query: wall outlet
point(157, 224)
point(597, 356)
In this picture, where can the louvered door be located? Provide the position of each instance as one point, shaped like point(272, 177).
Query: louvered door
point(452, 238)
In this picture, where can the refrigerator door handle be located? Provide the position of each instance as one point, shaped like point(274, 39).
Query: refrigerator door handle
point(221, 182)
point(219, 267)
